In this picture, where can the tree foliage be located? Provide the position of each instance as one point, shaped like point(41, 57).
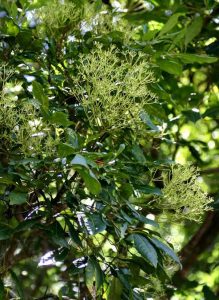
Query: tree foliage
point(107, 114)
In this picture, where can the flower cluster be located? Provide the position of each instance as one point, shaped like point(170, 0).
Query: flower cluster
point(183, 194)
point(57, 16)
point(20, 126)
point(114, 87)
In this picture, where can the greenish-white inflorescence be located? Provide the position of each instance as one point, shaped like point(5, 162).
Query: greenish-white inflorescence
point(182, 193)
point(114, 87)
point(20, 126)
point(57, 15)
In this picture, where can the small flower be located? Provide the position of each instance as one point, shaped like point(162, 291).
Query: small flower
point(58, 16)
point(183, 194)
point(114, 87)
point(21, 128)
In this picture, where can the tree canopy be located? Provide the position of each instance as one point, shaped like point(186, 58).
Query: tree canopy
point(109, 142)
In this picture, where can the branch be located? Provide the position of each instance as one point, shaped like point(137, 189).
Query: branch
point(209, 171)
point(201, 240)
point(48, 296)
point(63, 189)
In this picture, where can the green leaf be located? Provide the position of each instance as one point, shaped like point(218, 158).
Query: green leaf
point(72, 138)
point(80, 164)
point(65, 150)
point(145, 220)
point(17, 198)
point(191, 115)
point(94, 274)
point(115, 291)
point(170, 24)
point(8, 27)
point(90, 181)
point(138, 154)
point(147, 189)
point(193, 30)
point(99, 275)
point(26, 225)
point(95, 223)
point(58, 234)
point(40, 96)
point(208, 293)
point(2, 289)
point(157, 110)
point(13, 10)
point(144, 247)
point(60, 118)
point(6, 179)
point(212, 112)
point(79, 160)
point(195, 58)
point(90, 272)
point(166, 249)
point(195, 153)
point(73, 233)
point(124, 279)
point(170, 66)
point(178, 39)
point(5, 232)
point(158, 89)
point(120, 150)
point(147, 120)
point(18, 284)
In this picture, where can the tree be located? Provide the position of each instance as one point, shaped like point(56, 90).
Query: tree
point(107, 111)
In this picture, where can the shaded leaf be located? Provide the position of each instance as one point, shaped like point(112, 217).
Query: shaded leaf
point(99, 275)
point(211, 112)
point(2, 289)
point(115, 290)
point(166, 249)
point(147, 189)
point(90, 181)
point(147, 120)
point(73, 233)
point(138, 154)
point(90, 272)
point(145, 248)
point(193, 29)
point(170, 66)
point(65, 149)
point(195, 58)
point(170, 24)
point(18, 284)
point(79, 160)
point(5, 232)
point(17, 198)
point(40, 96)
point(120, 150)
point(145, 220)
point(57, 234)
point(26, 224)
point(192, 115)
point(124, 279)
point(208, 293)
point(60, 118)
point(95, 223)
point(9, 27)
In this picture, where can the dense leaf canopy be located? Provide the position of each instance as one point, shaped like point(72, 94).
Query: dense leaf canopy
point(109, 156)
